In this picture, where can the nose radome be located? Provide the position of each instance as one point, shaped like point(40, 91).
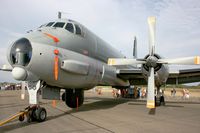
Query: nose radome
point(19, 73)
point(21, 52)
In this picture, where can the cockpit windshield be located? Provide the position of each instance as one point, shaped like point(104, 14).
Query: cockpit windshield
point(50, 24)
point(78, 29)
point(70, 27)
point(59, 24)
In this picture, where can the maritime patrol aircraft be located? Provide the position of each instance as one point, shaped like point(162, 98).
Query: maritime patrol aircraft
point(64, 54)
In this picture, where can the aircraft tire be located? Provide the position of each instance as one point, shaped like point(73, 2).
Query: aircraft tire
point(71, 98)
point(63, 96)
point(157, 101)
point(41, 114)
point(21, 118)
point(162, 100)
point(32, 115)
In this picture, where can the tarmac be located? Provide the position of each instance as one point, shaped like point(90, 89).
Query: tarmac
point(103, 114)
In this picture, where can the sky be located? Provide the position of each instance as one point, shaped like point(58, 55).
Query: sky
point(115, 21)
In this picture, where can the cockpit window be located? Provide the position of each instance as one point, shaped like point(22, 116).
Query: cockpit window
point(78, 30)
point(59, 24)
point(49, 24)
point(69, 27)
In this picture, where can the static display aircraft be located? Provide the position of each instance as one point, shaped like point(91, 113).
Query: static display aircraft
point(63, 54)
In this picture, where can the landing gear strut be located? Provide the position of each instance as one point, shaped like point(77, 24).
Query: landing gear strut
point(159, 99)
point(73, 97)
point(34, 113)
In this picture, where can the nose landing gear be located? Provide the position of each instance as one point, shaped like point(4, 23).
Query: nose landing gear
point(35, 113)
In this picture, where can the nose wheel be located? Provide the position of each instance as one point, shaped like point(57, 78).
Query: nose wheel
point(34, 113)
point(37, 113)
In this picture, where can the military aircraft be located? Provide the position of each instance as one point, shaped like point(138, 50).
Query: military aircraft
point(64, 54)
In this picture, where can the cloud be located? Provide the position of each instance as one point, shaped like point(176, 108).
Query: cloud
point(115, 21)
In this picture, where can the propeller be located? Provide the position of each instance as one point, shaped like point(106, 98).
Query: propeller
point(56, 53)
point(152, 61)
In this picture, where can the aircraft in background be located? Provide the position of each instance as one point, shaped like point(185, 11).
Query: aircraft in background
point(63, 54)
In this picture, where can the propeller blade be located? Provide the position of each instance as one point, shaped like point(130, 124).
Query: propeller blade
point(56, 52)
point(181, 61)
point(152, 26)
point(123, 61)
point(150, 87)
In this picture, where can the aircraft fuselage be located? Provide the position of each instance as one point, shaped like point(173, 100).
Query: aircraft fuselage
point(82, 58)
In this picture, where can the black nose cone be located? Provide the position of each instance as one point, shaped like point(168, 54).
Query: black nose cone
point(21, 52)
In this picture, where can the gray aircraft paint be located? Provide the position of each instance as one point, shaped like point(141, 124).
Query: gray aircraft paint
point(86, 49)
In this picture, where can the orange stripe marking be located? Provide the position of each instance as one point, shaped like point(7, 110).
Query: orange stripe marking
point(56, 67)
point(55, 39)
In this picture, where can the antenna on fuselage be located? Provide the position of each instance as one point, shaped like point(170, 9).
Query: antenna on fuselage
point(135, 48)
point(59, 15)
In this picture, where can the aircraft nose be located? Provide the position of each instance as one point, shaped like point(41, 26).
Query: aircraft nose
point(19, 73)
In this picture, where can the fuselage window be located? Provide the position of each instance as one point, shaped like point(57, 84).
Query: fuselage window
point(69, 27)
point(49, 24)
point(78, 30)
point(59, 24)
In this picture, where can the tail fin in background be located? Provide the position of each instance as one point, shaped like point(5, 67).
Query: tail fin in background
point(135, 48)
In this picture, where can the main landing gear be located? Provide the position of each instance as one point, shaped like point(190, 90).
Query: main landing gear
point(73, 97)
point(159, 98)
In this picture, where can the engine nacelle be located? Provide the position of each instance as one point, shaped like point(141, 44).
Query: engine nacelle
point(161, 71)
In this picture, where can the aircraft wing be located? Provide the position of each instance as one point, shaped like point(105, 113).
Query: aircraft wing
point(6, 68)
point(184, 76)
point(136, 77)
